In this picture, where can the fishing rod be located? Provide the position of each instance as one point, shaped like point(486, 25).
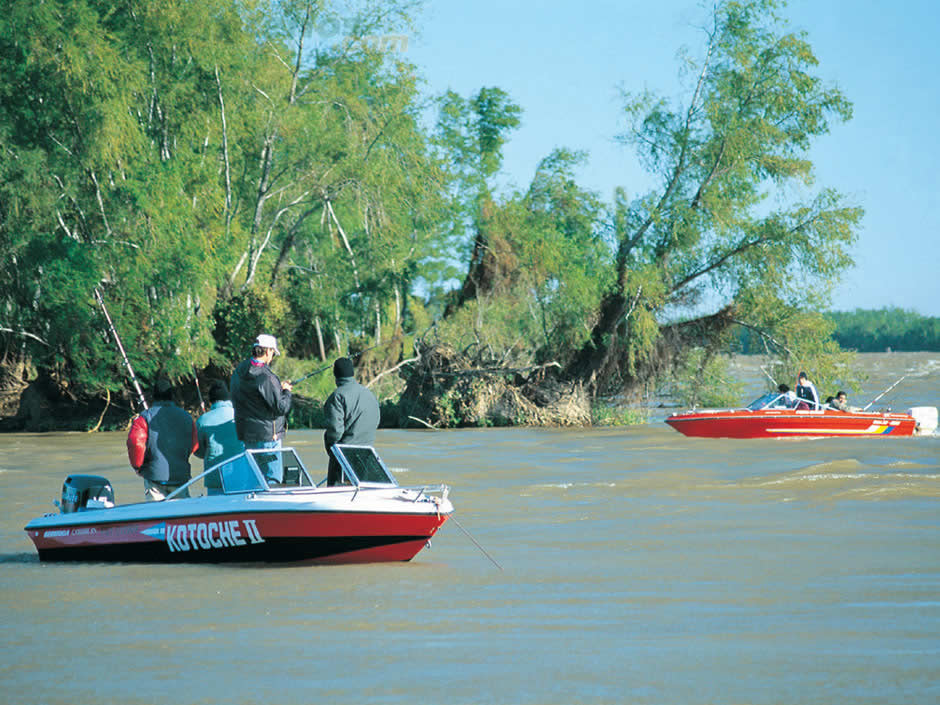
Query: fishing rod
point(202, 403)
point(117, 339)
point(865, 408)
point(351, 357)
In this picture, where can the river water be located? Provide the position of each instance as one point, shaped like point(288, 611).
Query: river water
point(637, 566)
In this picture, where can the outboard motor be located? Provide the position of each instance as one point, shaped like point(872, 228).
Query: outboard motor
point(926, 418)
point(80, 492)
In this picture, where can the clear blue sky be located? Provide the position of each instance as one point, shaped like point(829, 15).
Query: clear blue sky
point(565, 64)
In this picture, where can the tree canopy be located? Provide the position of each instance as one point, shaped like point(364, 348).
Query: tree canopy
point(226, 167)
point(726, 230)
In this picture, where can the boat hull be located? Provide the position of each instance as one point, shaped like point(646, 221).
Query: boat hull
point(270, 535)
point(790, 423)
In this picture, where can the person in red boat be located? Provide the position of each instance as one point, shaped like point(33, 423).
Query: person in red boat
point(841, 402)
point(787, 399)
point(160, 442)
point(806, 391)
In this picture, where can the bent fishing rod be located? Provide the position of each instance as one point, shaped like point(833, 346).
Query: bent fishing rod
point(117, 339)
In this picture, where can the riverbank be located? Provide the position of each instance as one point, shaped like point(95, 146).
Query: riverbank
point(38, 407)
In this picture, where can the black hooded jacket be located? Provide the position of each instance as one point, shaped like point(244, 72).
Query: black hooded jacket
point(261, 405)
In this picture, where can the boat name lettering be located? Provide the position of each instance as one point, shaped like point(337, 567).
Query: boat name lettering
point(56, 532)
point(212, 534)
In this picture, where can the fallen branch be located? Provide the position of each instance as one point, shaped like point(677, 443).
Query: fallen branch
point(424, 423)
point(101, 418)
point(24, 334)
point(764, 335)
point(497, 370)
point(392, 369)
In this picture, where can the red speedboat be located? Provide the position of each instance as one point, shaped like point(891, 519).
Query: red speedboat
point(777, 416)
point(369, 519)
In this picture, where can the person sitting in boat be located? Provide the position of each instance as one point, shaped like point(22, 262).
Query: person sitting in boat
point(218, 440)
point(806, 391)
point(786, 400)
point(160, 442)
point(840, 402)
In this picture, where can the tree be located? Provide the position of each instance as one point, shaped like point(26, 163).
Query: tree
point(712, 232)
point(103, 125)
point(471, 134)
point(183, 154)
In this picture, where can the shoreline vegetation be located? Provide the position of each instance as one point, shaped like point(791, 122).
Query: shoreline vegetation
point(214, 178)
point(472, 398)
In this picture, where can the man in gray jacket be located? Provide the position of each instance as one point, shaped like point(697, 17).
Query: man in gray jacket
point(352, 416)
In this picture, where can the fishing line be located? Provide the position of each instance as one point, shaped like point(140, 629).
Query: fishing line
point(475, 542)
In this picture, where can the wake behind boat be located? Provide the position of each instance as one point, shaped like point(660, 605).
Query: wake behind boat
point(370, 519)
point(775, 416)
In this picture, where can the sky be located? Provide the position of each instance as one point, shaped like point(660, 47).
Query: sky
point(566, 64)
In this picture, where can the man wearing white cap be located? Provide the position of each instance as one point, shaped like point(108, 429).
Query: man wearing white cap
point(261, 403)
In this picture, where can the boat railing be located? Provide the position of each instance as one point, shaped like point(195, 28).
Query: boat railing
point(362, 469)
point(786, 401)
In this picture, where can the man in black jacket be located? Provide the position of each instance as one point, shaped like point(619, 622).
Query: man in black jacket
point(261, 403)
point(352, 416)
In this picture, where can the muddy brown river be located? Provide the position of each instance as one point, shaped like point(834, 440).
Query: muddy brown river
point(638, 566)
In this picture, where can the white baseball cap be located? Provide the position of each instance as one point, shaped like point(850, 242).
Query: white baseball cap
point(267, 341)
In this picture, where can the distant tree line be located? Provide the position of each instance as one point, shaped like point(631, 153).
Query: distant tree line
point(866, 330)
point(886, 329)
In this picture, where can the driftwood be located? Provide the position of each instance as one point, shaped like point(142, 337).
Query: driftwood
point(107, 404)
point(455, 388)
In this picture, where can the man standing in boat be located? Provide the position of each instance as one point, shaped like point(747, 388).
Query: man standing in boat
point(806, 390)
point(352, 416)
point(160, 442)
point(261, 402)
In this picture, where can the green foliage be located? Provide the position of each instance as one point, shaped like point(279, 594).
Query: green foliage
point(199, 160)
point(217, 178)
point(603, 414)
point(704, 380)
point(240, 319)
point(727, 224)
point(541, 271)
point(803, 341)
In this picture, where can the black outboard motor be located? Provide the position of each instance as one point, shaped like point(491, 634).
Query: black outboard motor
point(79, 490)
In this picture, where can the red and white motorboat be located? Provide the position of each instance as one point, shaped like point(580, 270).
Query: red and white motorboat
point(774, 415)
point(369, 519)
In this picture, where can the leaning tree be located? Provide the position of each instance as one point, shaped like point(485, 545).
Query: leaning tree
point(733, 228)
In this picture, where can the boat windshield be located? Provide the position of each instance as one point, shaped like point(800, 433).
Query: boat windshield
point(770, 399)
point(240, 474)
point(243, 473)
point(362, 465)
